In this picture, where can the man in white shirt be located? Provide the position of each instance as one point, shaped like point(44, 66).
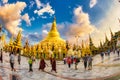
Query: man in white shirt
point(12, 60)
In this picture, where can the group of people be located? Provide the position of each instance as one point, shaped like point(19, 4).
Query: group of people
point(87, 60)
point(43, 64)
point(108, 52)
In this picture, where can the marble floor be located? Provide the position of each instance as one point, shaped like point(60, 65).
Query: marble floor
point(100, 71)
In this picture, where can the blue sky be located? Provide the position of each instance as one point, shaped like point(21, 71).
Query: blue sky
point(34, 17)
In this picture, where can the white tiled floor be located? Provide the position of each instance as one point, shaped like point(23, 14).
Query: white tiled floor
point(62, 70)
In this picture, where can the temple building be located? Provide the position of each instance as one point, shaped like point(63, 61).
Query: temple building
point(53, 45)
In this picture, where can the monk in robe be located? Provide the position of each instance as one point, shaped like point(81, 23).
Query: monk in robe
point(54, 65)
point(42, 64)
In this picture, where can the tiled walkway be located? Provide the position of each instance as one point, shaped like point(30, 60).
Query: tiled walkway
point(100, 71)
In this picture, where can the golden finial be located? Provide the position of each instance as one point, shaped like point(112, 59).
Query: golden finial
point(54, 18)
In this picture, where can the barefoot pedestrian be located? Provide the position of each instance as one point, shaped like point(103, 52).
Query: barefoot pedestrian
point(42, 64)
point(54, 65)
point(12, 60)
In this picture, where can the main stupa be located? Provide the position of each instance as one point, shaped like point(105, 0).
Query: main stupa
point(53, 37)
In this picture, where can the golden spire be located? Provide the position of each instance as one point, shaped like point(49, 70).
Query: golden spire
point(53, 32)
point(111, 33)
point(106, 39)
point(17, 42)
point(54, 25)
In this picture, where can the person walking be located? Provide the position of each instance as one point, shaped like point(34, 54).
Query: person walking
point(53, 65)
point(69, 61)
point(85, 59)
point(108, 53)
point(118, 51)
point(19, 55)
point(12, 58)
point(1, 56)
point(42, 64)
point(19, 58)
point(102, 56)
point(76, 61)
point(64, 60)
point(30, 62)
point(90, 62)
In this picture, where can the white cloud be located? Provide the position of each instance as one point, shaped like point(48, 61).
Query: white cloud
point(31, 4)
point(45, 9)
point(92, 3)
point(32, 19)
point(81, 25)
point(32, 37)
point(48, 25)
point(10, 15)
point(36, 33)
point(39, 4)
point(109, 21)
point(44, 33)
point(44, 17)
point(26, 18)
point(5, 1)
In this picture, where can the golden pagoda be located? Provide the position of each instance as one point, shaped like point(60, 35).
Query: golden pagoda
point(53, 40)
point(53, 35)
